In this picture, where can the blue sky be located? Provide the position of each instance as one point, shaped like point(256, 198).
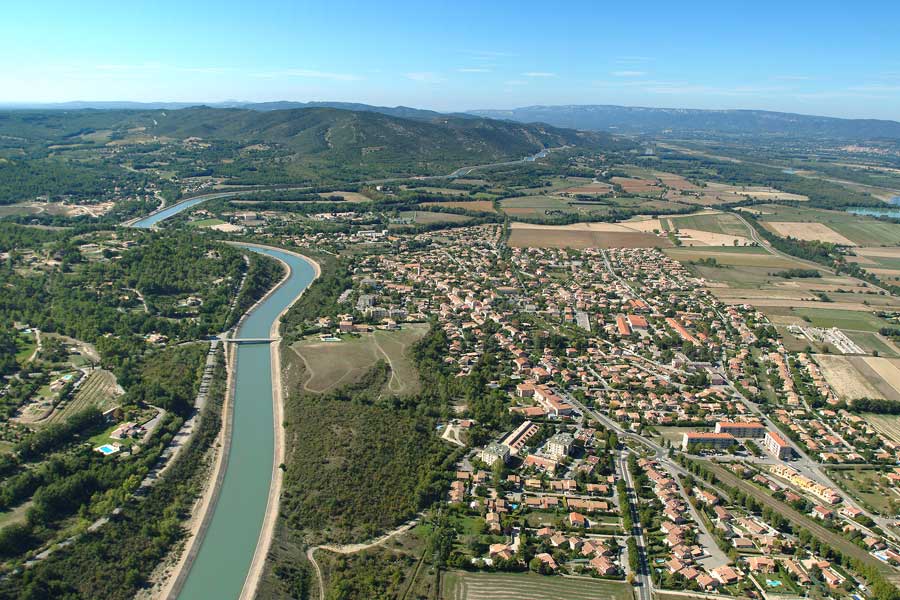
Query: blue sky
point(832, 58)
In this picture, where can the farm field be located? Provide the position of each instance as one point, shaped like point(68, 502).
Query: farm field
point(582, 235)
point(856, 377)
point(478, 205)
point(809, 232)
point(459, 585)
point(873, 342)
point(332, 364)
point(348, 196)
point(859, 229)
point(714, 222)
point(888, 425)
point(99, 390)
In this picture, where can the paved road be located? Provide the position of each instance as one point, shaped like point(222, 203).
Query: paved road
point(645, 589)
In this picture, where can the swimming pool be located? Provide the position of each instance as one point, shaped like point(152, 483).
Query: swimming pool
point(107, 449)
point(773, 583)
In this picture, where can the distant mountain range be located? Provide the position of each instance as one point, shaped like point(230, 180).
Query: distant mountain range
point(632, 119)
point(598, 117)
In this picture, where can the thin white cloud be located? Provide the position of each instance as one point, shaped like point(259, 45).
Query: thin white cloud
point(307, 74)
point(630, 60)
point(425, 77)
point(793, 78)
point(538, 74)
point(629, 73)
point(515, 82)
point(488, 54)
point(473, 70)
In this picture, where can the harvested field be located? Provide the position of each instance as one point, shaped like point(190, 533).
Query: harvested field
point(582, 235)
point(809, 232)
point(696, 237)
point(845, 378)
point(644, 225)
point(886, 368)
point(879, 252)
point(637, 186)
point(460, 585)
point(332, 364)
point(349, 196)
point(592, 189)
point(477, 205)
point(677, 182)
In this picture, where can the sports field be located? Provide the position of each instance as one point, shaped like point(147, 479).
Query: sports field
point(460, 585)
point(330, 365)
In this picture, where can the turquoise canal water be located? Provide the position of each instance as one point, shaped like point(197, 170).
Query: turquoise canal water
point(221, 565)
point(224, 558)
point(173, 210)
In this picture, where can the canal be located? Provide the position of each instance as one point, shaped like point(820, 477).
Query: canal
point(227, 549)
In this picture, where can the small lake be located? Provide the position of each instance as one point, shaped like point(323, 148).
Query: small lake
point(893, 213)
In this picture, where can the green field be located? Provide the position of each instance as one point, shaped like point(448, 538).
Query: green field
point(459, 585)
point(207, 222)
point(26, 343)
point(332, 364)
point(723, 223)
point(872, 342)
point(423, 217)
point(842, 319)
point(869, 487)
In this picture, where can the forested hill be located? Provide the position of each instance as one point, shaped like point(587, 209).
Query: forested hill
point(316, 130)
point(634, 119)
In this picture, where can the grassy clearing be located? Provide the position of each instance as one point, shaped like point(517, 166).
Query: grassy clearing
point(207, 223)
point(476, 205)
point(868, 486)
point(460, 585)
point(25, 344)
point(872, 342)
point(332, 364)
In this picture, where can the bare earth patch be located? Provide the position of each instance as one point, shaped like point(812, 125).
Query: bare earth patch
point(847, 381)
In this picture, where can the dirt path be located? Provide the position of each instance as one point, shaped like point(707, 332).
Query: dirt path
point(37, 345)
point(354, 548)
